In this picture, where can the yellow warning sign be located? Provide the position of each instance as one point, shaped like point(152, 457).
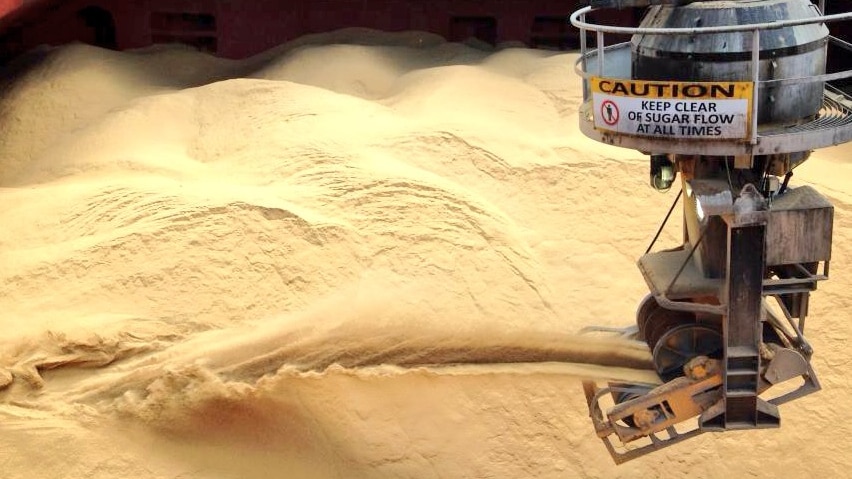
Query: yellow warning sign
point(699, 110)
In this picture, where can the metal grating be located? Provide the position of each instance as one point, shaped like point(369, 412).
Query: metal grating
point(836, 112)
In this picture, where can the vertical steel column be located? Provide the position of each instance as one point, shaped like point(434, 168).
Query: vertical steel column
point(740, 407)
point(600, 45)
point(583, 52)
point(742, 329)
point(755, 78)
point(741, 325)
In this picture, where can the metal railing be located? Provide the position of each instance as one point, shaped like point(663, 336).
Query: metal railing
point(578, 19)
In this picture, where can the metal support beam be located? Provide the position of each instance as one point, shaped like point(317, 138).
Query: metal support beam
point(741, 326)
point(740, 406)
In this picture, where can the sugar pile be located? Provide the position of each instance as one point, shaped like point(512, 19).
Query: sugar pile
point(263, 268)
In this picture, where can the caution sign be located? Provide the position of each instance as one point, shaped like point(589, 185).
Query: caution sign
point(697, 110)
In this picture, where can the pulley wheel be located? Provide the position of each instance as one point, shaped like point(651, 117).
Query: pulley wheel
point(678, 345)
point(646, 307)
point(662, 321)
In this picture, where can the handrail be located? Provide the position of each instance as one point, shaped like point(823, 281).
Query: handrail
point(585, 56)
point(840, 43)
point(583, 25)
point(809, 79)
point(581, 66)
point(580, 70)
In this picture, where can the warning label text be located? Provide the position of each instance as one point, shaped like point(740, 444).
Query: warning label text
point(673, 109)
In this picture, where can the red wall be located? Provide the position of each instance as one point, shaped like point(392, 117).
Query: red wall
point(7, 6)
point(246, 27)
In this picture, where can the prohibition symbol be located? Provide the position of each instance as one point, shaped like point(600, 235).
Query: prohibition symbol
point(609, 112)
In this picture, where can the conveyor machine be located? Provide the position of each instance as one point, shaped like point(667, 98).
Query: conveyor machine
point(729, 97)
